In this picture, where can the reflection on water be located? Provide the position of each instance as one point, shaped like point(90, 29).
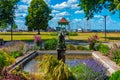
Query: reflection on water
point(32, 66)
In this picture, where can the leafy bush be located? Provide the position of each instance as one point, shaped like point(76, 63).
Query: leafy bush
point(115, 76)
point(116, 56)
point(70, 47)
point(80, 47)
point(103, 48)
point(16, 54)
point(53, 69)
point(16, 74)
point(73, 34)
point(50, 44)
point(5, 60)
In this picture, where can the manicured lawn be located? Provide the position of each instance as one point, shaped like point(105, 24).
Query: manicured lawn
point(27, 35)
point(49, 35)
point(85, 36)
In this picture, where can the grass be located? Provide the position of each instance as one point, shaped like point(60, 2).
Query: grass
point(27, 36)
point(85, 36)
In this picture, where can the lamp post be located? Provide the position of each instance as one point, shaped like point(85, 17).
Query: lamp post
point(11, 32)
point(105, 25)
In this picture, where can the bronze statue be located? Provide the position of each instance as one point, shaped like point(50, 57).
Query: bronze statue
point(61, 42)
point(61, 47)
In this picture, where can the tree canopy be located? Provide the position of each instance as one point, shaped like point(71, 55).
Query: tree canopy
point(91, 7)
point(7, 12)
point(38, 15)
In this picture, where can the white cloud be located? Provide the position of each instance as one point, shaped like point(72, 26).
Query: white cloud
point(62, 14)
point(98, 16)
point(77, 20)
point(60, 6)
point(22, 8)
point(79, 11)
point(72, 1)
point(26, 1)
point(73, 4)
point(20, 14)
point(55, 11)
point(19, 21)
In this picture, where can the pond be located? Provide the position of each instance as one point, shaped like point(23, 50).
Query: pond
point(71, 60)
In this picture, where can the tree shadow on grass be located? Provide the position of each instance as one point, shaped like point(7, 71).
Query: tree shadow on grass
point(113, 38)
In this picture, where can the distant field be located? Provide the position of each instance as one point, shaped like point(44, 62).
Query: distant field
point(27, 35)
point(85, 36)
point(49, 35)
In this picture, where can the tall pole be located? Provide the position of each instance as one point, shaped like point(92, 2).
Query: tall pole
point(105, 25)
point(11, 33)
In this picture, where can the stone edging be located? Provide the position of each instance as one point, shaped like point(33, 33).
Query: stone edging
point(107, 63)
point(22, 60)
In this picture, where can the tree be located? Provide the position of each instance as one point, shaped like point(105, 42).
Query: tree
point(7, 11)
point(14, 26)
point(3, 26)
point(92, 7)
point(38, 15)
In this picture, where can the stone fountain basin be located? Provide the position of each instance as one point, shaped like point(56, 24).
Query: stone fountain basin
point(70, 55)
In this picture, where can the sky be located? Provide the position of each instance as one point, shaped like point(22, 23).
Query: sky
point(70, 10)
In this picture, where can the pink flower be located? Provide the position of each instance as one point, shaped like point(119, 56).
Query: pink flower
point(93, 39)
point(37, 40)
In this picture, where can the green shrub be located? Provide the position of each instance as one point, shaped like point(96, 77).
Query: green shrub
point(103, 48)
point(116, 56)
point(5, 60)
point(73, 34)
point(50, 44)
point(16, 54)
point(115, 76)
point(53, 69)
point(70, 47)
point(80, 47)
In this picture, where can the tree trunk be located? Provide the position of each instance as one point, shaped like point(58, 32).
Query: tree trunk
point(38, 31)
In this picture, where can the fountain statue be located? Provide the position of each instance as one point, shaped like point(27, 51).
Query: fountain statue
point(61, 47)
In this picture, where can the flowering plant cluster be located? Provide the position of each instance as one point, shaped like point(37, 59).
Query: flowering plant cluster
point(14, 46)
point(88, 69)
point(37, 40)
point(92, 41)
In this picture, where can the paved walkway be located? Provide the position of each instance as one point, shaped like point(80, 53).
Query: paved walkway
point(67, 52)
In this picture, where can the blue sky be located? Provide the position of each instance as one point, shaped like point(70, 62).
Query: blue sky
point(69, 10)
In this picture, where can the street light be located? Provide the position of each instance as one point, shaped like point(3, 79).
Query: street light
point(105, 25)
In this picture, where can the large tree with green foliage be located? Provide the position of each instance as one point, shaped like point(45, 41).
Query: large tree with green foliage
point(7, 12)
point(38, 15)
point(91, 7)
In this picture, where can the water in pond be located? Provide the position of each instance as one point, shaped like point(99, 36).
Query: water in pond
point(71, 59)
